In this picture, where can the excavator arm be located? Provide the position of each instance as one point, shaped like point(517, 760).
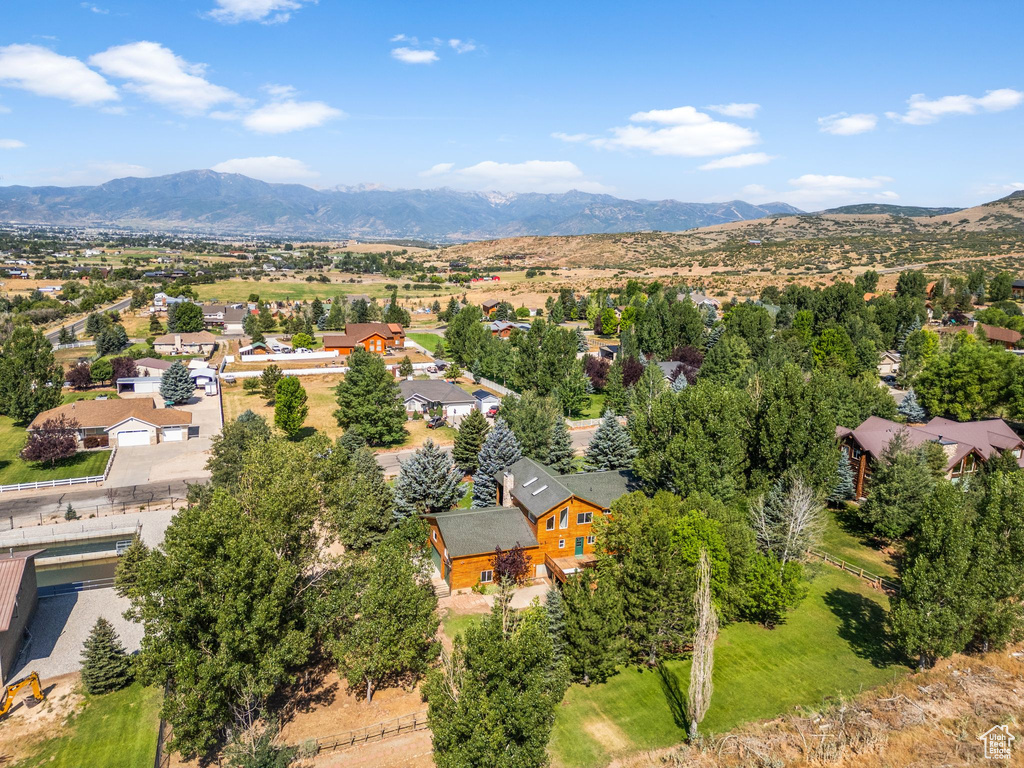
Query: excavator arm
point(7, 699)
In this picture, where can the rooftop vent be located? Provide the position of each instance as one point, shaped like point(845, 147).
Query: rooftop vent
point(527, 483)
point(540, 490)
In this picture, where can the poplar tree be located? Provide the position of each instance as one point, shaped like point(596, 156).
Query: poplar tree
point(30, 379)
point(611, 447)
point(499, 452)
point(469, 440)
point(427, 483)
point(703, 654)
point(268, 382)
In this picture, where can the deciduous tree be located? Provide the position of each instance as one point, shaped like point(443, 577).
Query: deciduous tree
point(56, 438)
point(30, 380)
point(290, 409)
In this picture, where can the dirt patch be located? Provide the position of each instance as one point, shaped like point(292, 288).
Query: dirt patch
point(607, 734)
point(29, 723)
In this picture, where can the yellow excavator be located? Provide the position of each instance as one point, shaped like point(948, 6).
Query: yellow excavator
point(7, 700)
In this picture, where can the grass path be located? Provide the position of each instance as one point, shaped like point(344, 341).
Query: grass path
point(833, 643)
point(117, 730)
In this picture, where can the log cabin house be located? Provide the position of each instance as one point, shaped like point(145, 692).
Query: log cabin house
point(373, 337)
point(550, 516)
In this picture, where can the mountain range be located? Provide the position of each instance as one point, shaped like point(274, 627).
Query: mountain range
point(215, 203)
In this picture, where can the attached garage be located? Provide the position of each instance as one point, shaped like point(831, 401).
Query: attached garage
point(133, 437)
point(173, 434)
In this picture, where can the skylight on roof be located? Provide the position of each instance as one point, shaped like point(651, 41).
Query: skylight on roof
point(540, 490)
point(531, 480)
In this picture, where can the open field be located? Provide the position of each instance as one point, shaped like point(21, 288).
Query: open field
point(426, 340)
point(320, 399)
point(116, 730)
point(288, 289)
point(833, 643)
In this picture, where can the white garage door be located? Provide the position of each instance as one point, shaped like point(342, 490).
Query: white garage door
point(171, 435)
point(134, 437)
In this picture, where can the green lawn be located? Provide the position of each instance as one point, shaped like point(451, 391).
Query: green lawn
point(459, 623)
point(844, 539)
point(291, 290)
point(596, 406)
point(92, 394)
point(833, 643)
point(426, 340)
point(14, 470)
point(117, 730)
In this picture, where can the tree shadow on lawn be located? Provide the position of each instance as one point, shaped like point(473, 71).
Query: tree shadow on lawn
point(863, 626)
point(848, 520)
point(674, 696)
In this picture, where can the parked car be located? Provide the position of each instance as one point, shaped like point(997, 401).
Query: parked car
point(303, 351)
point(437, 421)
point(431, 369)
point(492, 412)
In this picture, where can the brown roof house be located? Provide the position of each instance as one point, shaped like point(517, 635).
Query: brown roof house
point(373, 337)
point(967, 445)
point(992, 333)
point(17, 605)
point(122, 422)
point(200, 343)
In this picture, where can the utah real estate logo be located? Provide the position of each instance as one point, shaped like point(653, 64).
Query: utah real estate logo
point(998, 742)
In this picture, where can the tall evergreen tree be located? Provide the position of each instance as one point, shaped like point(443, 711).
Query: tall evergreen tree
point(428, 483)
point(555, 607)
point(369, 400)
point(610, 448)
point(561, 452)
point(176, 385)
point(105, 665)
point(593, 627)
point(500, 451)
point(582, 345)
point(469, 440)
point(366, 509)
point(912, 409)
point(269, 380)
point(901, 485)
point(845, 485)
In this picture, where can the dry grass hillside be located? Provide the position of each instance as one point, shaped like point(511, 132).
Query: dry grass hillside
point(789, 245)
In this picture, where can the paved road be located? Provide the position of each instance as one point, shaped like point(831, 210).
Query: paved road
point(80, 325)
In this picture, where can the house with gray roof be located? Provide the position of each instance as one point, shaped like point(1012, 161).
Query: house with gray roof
point(549, 515)
point(424, 395)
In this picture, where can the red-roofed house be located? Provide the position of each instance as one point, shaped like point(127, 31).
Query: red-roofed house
point(17, 605)
point(966, 444)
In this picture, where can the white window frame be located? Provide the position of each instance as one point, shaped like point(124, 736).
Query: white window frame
point(433, 535)
point(590, 540)
point(561, 543)
point(584, 518)
point(563, 519)
point(489, 574)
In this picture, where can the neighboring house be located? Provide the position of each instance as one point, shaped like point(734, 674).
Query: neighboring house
point(670, 370)
point(373, 337)
point(150, 366)
point(993, 333)
point(228, 318)
point(609, 351)
point(203, 377)
point(199, 343)
point(485, 400)
point(1017, 289)
point(161, 301)
point(550, 516)
point(489, 306)
point(889, 363)
point(967, 445)
point(121, 422)
point(259, 348)
point(700, 299)
point(420, 396)
point(354, 297)
point(139, 384)
point(17, 605)
point(503, 328)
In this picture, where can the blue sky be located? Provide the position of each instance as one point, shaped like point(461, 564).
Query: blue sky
point(816, 104)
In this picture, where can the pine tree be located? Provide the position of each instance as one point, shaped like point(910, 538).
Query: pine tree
point(714, 335)
point(555, 607)
point(610, 448)
point(105, 665)
point(176, 385)
point(290, 409)
point(316, 311)
point(405, 368)
point(427, 483)
point(593, 627)
point(500, 451)
point(155, 328)
point(561, 453)
point(582, 345)
point(680, 383)
point(845, 485)
point(469, 440)
point(912, 409)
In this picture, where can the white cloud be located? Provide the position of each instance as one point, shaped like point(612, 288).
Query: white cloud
point(290, 115)
point(414, 55)
point(738, 161)
point(922, 111)
point(689, 133)
point(97, 173)
point(530, 176)
point(158, 74)
point(398, 38)
point(735, 110)
point(95, 9)
point(756, 190)
point(4, 110)
point(271, 168)
point(437, 170)
point(572, 138)
point(462, 46)
point(887, 195)
point(992, 190)
point(825, 190)
point(45, 73)
point(843, 124)
point(264, 11)
point(11, 144)
point(826, 183)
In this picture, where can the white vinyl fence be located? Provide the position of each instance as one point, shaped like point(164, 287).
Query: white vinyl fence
point(58, 483)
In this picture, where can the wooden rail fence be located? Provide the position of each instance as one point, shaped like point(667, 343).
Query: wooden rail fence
point(881, 583)
point(417, 721)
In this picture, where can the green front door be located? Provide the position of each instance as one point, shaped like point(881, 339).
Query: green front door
point(435, 556)
point(579, 546)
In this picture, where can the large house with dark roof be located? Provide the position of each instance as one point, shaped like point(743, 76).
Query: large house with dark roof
point(967, 445)
point(550, 516)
